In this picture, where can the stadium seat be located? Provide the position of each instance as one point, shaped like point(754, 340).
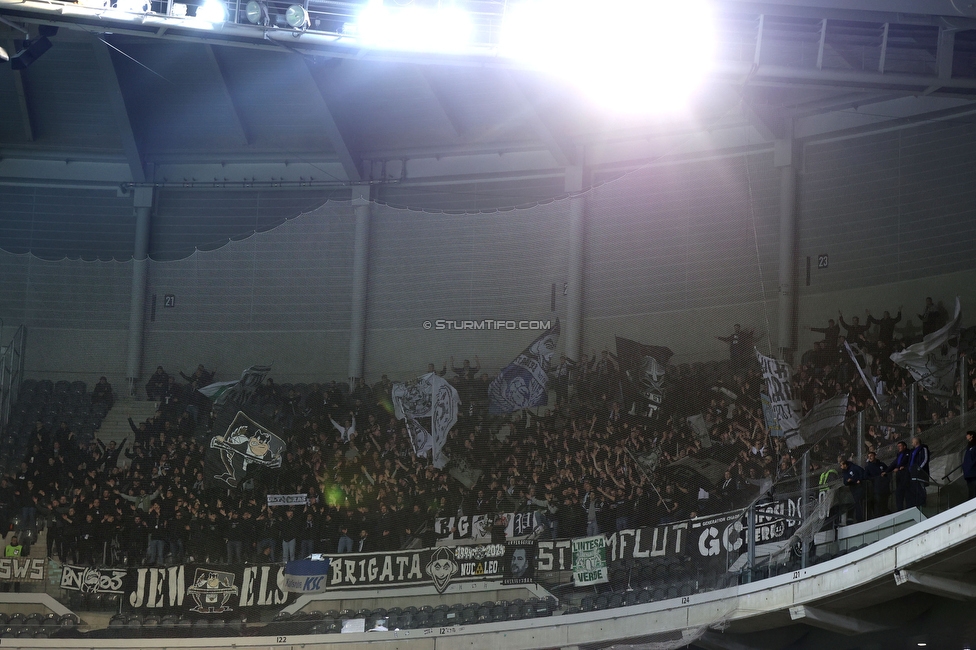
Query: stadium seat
point(499, 613)
point(602, 602)
point(483, 615)
point(588, 604)
point(616, 600)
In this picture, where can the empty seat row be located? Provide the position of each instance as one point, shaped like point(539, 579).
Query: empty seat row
point(411, 617)
point(633, 597)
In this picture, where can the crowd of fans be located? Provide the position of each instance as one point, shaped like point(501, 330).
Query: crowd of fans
point(589, 464)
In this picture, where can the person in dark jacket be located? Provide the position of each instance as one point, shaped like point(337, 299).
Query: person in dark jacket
point(903, 480)
point(854, 478)
point(877, 473)
point(918, 469)
point(969, 463)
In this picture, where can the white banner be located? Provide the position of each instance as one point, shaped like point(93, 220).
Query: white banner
point(590, 560)
point(287, 499)
point(783, 407)
point(477, 528)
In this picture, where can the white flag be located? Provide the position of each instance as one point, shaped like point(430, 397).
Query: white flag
point(427, 396)
point(934, 362)
point(783, 407)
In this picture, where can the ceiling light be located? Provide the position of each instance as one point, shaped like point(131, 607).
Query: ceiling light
point(257, 13)
point(297, 17)
point(429, 29)
point(631, 55)
point(212, 11)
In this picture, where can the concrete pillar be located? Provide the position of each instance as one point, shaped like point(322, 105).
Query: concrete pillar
point(142, 201)
point(360, 268)
point(784, 158)
point(573, 330)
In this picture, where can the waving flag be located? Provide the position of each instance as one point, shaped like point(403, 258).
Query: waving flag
point(934, 363)
point(645, 367)
point(524, 382)
point(427, 396)
point(236, 393)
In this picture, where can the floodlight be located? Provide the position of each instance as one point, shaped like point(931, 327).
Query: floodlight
point(133, 6)
point(411, 27)
point(3, 55)
point(31, 52)
point(212, 11)
point(631, 55)
point(257, 13)
point(178, 10)
point(297, 17)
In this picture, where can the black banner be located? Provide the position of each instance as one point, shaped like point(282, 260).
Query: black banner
point(519, 563)
point(21, 569)
point(700, 538)
point(90, 580)
point(185, 588)
point(206, 589)
point(439, 566)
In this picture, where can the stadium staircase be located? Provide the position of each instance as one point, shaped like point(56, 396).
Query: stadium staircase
point(115, 426)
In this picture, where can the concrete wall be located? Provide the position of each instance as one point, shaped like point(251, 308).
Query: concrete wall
point(674, 255)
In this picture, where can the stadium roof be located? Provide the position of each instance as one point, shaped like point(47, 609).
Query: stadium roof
point(150, 98)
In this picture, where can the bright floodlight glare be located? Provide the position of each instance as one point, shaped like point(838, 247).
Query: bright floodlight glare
point(441, 29)
point(629, 55)
point(212, 11)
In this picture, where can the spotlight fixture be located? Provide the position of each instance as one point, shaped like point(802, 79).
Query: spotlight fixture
point(32, 52)
point(212, 11)
point(257, 13)
point(297, 17)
